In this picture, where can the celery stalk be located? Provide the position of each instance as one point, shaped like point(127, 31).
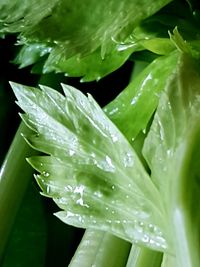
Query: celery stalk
point(15, 175)
point(99, 248)
point(143, 257)
point(168, 260)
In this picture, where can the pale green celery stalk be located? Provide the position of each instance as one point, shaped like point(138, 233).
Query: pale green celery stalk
point(87, 249)
point(143, 257)
point(15, 175)
point(172, 151)
point(99, 248)
point(168, 261)
point(112, 250)
point(140, 98)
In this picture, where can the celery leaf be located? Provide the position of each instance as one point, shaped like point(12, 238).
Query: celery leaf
point(76, 28)
point(90, 169)
point(171, 149)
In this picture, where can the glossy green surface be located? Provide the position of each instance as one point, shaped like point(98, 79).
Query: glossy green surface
point(14, 180)
point(143, 257)
point(91, 67)
point(171, 149)
point(81, 38)
point(92, 172)
point(75, 26)
point(98, 248)
point(133, 108)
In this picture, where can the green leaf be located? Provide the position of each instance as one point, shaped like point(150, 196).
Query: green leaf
point(171, 150)
point(91, 171)
point(75, 27)
point(31, 54)
point(91, 67)
point(137, 103)
point(21, 15)
point(191, 48)
point(160, 46)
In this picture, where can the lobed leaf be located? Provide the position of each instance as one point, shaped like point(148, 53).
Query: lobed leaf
point(77, 29)
point(90, 169)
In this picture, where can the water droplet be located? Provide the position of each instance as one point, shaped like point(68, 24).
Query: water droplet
point(94, 141)
point(98, 194)
point(134, 100)
point(80, 202)
point(45, 174)
point(98, 78)
point(144, 131)
point(80, 219)
point(128, 160)
point(151, 228)
point(68, 188)
point(114, 138)
point(122, 47)
point(169, 152)
point(109, 161)
point(71, 153)
point(113, 111)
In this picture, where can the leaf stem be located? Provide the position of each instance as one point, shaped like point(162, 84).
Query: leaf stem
point(143, 257)
point(98, 248)
point(15, 175)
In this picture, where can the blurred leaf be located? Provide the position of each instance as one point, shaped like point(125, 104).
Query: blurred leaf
point(73, 29)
